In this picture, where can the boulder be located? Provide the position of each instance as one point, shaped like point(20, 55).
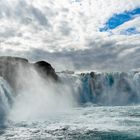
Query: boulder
point(45, 69)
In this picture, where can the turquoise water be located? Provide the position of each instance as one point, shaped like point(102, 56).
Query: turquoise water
point(89, 122)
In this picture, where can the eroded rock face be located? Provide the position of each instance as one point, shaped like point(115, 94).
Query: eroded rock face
point(10, 67)
point(45, 69)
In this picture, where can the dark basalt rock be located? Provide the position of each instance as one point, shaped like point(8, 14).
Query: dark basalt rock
point(10, 66)
point(45, 69)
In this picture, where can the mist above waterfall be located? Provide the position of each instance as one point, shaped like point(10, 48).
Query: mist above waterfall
point(38, 97)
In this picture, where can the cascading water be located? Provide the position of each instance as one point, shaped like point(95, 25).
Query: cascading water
point(6, 99)
point(110, 88)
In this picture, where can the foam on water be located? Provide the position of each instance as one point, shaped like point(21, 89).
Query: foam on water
point(90, 122)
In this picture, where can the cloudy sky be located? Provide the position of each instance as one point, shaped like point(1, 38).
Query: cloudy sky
point(73, 34)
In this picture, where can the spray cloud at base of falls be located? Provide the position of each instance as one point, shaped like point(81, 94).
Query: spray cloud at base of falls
point(39, 97)
point(6, 100)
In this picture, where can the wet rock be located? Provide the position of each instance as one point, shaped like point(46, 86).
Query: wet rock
point(10, 66)
point(45, 69)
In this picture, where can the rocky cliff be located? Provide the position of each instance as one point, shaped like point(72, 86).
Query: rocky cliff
point(9, 69)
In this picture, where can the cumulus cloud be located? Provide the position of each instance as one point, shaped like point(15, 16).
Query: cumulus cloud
point(67, 33)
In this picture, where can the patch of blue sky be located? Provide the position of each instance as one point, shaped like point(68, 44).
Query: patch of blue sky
point(130, 31)
point(119, 19)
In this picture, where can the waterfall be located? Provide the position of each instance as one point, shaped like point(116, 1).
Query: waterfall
point(37, 97)
point(116, 88)
point(6, 99)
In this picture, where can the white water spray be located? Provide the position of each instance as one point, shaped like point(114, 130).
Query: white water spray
point(38, 97)
point(6, 99)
